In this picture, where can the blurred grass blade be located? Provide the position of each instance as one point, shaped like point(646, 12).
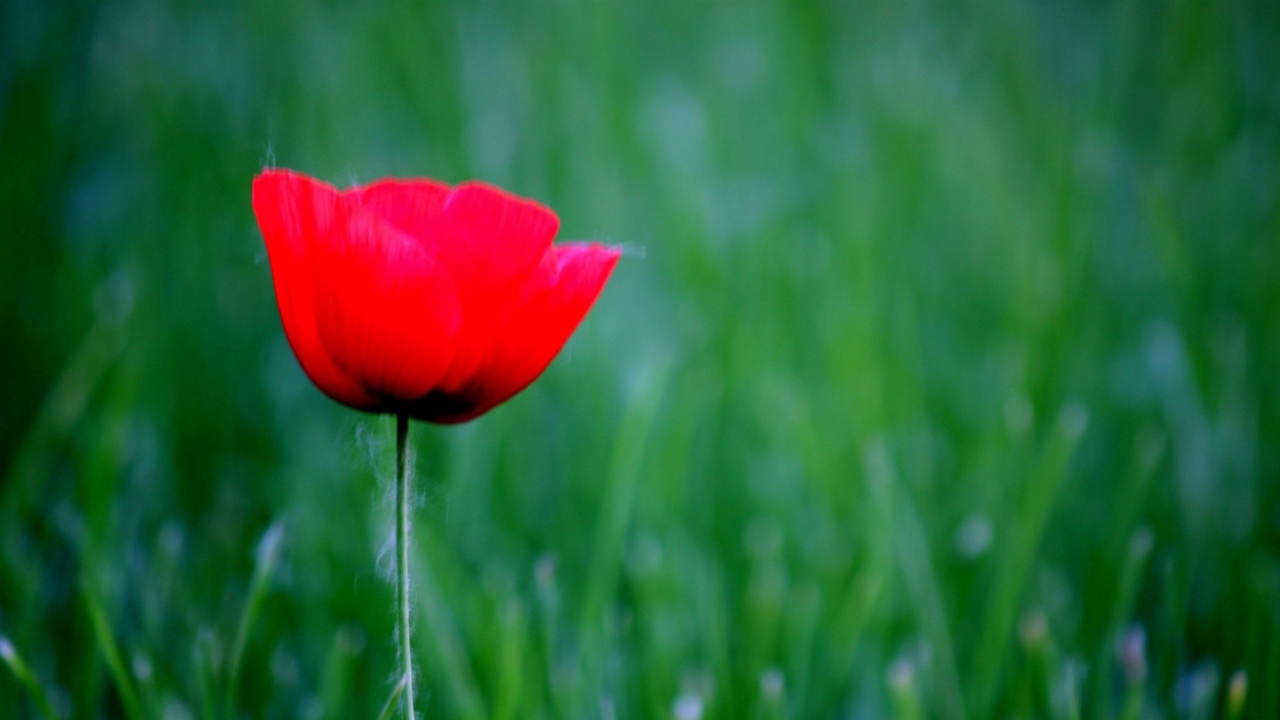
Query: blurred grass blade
point(549, 631)
point(854, 611)
point(9, 654)
point(449, 646)
point(899, 517)
point(511, 669)
point(63, 405)
point(1014, 563)
point(614, 519)
point(803, 622)
point(265, 560)
point(389, 709)
point(111, 655)
point(1237, 691)
point(335, 685)
point(904, 691)
point(1135, 562)
point(1040, 665)
point(619, 495)
point(206, 670)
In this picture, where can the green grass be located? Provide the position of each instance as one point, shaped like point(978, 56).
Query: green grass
point(943, 363)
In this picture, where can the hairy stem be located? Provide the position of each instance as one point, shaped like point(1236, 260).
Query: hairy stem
point(402, 562)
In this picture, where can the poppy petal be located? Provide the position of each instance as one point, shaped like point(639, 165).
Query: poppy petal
point(490, 240)
point(552, 302)
point(409, 205)
point(293, 210)
point(386, 309)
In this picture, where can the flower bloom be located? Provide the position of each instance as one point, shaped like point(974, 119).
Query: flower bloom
point(414, 297)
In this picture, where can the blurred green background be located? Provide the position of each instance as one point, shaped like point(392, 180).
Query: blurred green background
point(941, 377)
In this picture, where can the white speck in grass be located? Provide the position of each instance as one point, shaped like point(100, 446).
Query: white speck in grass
point(901, 674)
point(1133, 654)
point(7, 653)
point(1141, 542)
point(1033, 630)
point(544, 580)
point(269, 546)
point(687, 707)
point(974, 536)
point(772, 683)
point(544, 571)
point(1237, 688)
point(142, 667)
point(174, 709)
point(1196, 689)
point(1066, 690)
point(171, 538)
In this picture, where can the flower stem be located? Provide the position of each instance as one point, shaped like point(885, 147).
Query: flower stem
point(402, 562)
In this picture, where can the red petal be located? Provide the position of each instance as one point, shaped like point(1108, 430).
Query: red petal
point(490, 241)
point(386, 310)
point(551, 304)
point(293, 211)
point(409, 205)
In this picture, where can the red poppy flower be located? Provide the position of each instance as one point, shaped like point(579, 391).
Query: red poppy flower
point(414, 297)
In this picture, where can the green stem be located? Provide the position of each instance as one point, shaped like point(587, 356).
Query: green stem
point(402, 562)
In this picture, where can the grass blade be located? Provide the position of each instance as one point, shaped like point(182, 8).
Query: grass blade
point(511, 670)
point(205, 655)
point(448, 644)
point(624, 472)
point(267, 556)
point(615, 517)
point(9, 654)
point(111, 655)
point(1020, 548)
point(348, 643)
point(911, 549)
point(390, 708)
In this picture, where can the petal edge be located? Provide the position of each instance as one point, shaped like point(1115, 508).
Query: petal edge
point(491, 241)
point(552, 303)
point(292, 210)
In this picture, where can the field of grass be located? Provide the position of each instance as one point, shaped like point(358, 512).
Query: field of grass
point(940, 377)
